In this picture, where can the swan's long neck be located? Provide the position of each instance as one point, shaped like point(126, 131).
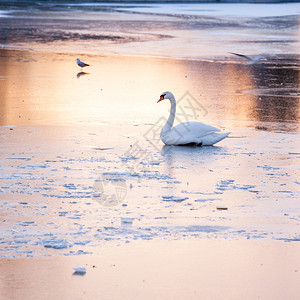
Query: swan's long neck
point(171, 118)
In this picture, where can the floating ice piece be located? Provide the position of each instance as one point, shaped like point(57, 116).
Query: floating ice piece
point(101, 149)
point(79, 271)
point(155, 175)
point(79, 252)
point(27, 223)
point(269, 168)
point(226, 182)
point(33, 167)
point(62, 213)
point(70, 186)
point(174, 199)
point(128, 158)
point(24, 252)
point(127, 220)
point(290, 239)
point(116, 179)
point(173, 182)
point(21, 241)
point(208, 199)
point(82, 242)
point(245, 187)
point(56, 243)
point(207, 229)
point(199, 193)
point(151, 163)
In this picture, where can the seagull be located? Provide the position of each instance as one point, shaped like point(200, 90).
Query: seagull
point(251, 60)
point(81, 64)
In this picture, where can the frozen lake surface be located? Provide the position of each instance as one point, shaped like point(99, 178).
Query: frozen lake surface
point(165, 30)
point(84, 174)
point(80, 155)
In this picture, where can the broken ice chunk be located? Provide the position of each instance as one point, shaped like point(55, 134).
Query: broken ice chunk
point(79, 271)
point(127, 220)
point(173, 198)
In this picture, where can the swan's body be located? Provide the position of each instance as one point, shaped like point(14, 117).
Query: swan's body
point(188, 133)
point(81, 64)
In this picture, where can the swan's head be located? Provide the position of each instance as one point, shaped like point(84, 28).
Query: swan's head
point(165, 95)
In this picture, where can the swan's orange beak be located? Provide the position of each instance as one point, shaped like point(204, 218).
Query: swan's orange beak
point(161, 98)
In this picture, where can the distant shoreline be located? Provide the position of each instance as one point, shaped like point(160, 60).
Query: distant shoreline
point(22, 2)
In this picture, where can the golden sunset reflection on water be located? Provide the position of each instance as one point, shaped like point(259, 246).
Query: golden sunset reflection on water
point(45, 88)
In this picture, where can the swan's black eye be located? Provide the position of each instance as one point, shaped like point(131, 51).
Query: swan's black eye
point(163, 95)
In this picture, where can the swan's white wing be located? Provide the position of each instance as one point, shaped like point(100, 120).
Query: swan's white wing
point(188, 132)
point(195, 128)
point(213, 138)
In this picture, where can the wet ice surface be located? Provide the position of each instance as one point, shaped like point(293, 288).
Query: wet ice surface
point(83, 165)
point(212, 9)
point(50, 201)
point(167, 30)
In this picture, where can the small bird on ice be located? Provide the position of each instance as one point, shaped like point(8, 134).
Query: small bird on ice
point(251, 60)
point(81, 64)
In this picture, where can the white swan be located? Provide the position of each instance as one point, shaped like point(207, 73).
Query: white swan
point(188, 133)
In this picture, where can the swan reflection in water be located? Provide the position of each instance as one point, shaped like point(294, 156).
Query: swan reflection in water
point(81, 74)
point(190, 155)
point(192, 166)
point(191, 151)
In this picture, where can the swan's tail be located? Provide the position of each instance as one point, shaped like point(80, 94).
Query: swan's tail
point(213, 138)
